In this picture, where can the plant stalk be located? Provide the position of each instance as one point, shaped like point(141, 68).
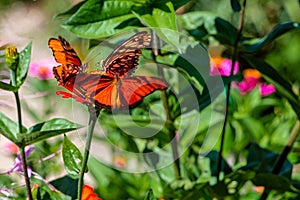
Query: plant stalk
point(21, 149)
point(164, 97)
point(283, 156)
point(234, 58)
point(92, 121)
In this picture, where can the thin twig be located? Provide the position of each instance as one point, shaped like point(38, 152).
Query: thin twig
point(164, 97)
point(92, 121)
point(234, 58)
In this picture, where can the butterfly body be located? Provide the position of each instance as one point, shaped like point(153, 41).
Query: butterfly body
point(114, 87)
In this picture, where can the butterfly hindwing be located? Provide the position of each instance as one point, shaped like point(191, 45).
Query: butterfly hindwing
point(127, 92)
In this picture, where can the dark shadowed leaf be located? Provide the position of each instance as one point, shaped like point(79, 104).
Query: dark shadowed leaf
point(262, 161)
point(274, 182)
point(213, 156)
point(7, 87)
point(72, 158)
point(275, 33)
point(149, 195)
point(178, 3)
point(66, 185)
point(226, 32)
point(235, 5)
point(47, 130)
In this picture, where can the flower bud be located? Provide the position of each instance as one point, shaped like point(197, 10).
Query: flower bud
point(11, 57)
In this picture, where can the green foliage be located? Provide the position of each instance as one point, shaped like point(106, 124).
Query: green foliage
point(72, 158)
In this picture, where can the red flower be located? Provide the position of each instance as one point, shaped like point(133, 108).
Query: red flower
point(88, 193)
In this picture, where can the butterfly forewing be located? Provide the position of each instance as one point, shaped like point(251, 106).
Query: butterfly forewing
point(124, 59)
point(70, 62)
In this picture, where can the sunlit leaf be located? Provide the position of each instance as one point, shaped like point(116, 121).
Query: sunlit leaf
point(162, 19)
point(47, 130)
point(9, 128)
point(102, 18)
point(72, 158)
point(24, 61)
point(72, 10)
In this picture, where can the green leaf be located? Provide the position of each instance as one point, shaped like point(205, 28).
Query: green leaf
point(274, 182)
point(72, 158)
point(47, 130)
point(262, 161)
point(102, 18)
point(163, 20)
point(248, 122)
point(71, 11)
point(282, 85)
point(178, 3)
point(44, 192)
point(66, 185)
point(235, 5)
point(24, 61)
point(9, 128)
point(7, 87)
point(149, 195)
point(266, 40)
point(213, 156)
point(226, 32)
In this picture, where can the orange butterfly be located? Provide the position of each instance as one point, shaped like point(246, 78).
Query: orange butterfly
point(112, 88)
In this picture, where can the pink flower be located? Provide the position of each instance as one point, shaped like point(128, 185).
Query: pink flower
point(11, 148)
point(252, 78)
point(266, 89)
point(222, 66)
point(42, 68)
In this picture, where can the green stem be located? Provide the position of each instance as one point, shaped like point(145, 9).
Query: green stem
point(92, 121)
point(164, 97)
point(283, 156)
point(234, 58)
point(21, 149)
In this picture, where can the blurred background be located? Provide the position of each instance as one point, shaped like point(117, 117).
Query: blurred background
point(22, 22)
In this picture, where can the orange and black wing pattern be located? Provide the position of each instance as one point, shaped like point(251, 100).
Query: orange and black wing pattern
point(68, 58)
point(115, 88)
point(124, 59)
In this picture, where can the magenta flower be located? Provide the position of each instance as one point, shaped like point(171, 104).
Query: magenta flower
point(252, 78)
point(266, 89)
point(222, 66)
point(42, 69)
